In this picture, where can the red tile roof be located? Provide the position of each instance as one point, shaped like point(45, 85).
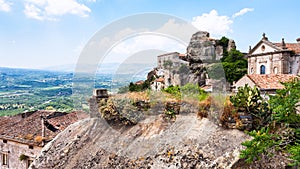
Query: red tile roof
point(294, 46)
point(27, 126)
point(161, 79)
point(291, 46)
point(271, 81)
point(139, 82)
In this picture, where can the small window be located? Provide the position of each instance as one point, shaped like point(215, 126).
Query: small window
point(4, 141)
point(263, 48)
point(262, 69)
point(30, 147)
point(252, 70)
point(4, 159)
point(275, 70)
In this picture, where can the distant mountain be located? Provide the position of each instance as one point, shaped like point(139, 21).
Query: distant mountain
point(61, 68)
point(104, 68)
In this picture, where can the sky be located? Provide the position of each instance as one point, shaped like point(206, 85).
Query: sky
point(49, 33)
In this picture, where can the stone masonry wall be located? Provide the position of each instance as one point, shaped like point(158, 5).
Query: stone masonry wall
point(14, 150)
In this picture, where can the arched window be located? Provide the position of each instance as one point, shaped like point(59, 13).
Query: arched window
point(252, 70)
point(262, 69)
point(275, 70)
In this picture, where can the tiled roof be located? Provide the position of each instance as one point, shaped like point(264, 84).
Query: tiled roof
point(294, 46)
point(291, 46)
point(271, 81)
point(27, 126)
point(139, 82)
point(161, 79)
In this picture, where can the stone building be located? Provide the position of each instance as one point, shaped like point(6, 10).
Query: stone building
point(23, 136)
point(274, 58)
point(267, 84)
point(158, 84)
point(168, 60)
point(271, 63)
point(169, 68)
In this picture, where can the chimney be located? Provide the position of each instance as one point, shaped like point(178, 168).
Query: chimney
point(298, 40)
point(283, 44)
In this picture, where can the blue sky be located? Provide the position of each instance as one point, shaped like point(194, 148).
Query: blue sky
point(45, 33)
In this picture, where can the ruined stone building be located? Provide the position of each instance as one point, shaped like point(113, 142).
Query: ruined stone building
point(168, 68)
point(23, 136)
point(180, 69)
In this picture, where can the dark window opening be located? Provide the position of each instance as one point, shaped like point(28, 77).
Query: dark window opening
point(30, 147)
point(4, 141)
point(262, 69)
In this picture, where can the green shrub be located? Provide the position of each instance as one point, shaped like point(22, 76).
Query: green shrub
point(262, 141)
point(248, 100)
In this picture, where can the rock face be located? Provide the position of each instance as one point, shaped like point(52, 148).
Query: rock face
point(202, 48)
point(201, 52)
point(152, 143)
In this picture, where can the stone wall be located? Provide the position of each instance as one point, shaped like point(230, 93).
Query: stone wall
point(13, 150)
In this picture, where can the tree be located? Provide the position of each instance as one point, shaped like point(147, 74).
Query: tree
point(234, 65)
point(283, 130)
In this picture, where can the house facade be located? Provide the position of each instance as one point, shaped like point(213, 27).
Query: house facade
point(23, 136)
point(269, 64)
point(274, 58)
point(267, 83)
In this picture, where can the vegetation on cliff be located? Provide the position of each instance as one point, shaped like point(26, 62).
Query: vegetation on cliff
point(233, 62)
point(276, 126)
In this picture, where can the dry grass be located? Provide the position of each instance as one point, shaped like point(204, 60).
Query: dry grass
point(229, 112)
point(39, 139)
point(204, 107)
point(28, 137)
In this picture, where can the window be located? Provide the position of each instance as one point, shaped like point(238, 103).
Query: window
point(30, 147)
point(263, 48)
point(262, 69)
point(252, 70)
point(275, 70)
point(4, 141)
point(4, 159)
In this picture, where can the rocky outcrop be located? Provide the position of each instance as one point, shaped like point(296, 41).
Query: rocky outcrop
point(153, 143)
point(202, 48)
point(202, 51)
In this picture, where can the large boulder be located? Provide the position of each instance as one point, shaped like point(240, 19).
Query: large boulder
point(153, 143)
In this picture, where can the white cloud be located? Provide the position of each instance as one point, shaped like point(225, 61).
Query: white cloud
point(143, 42)
point(5, 6)
point(51, 9)
point(212, 22)
point(32, 11)
point(242, 12)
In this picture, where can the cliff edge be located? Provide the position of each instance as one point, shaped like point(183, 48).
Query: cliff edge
point(153, 143)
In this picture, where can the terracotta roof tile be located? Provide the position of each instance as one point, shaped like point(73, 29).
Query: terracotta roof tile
point(271, 81)
point(27, 126)
point(291, 46)
point(161, 79)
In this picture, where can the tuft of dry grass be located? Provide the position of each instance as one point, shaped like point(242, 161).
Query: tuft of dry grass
point(39, 139)
point(28, 137)
point(204, 107)
point(229, 112)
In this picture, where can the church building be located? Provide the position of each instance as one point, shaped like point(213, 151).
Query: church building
point(269, 64)
point(274, 58)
